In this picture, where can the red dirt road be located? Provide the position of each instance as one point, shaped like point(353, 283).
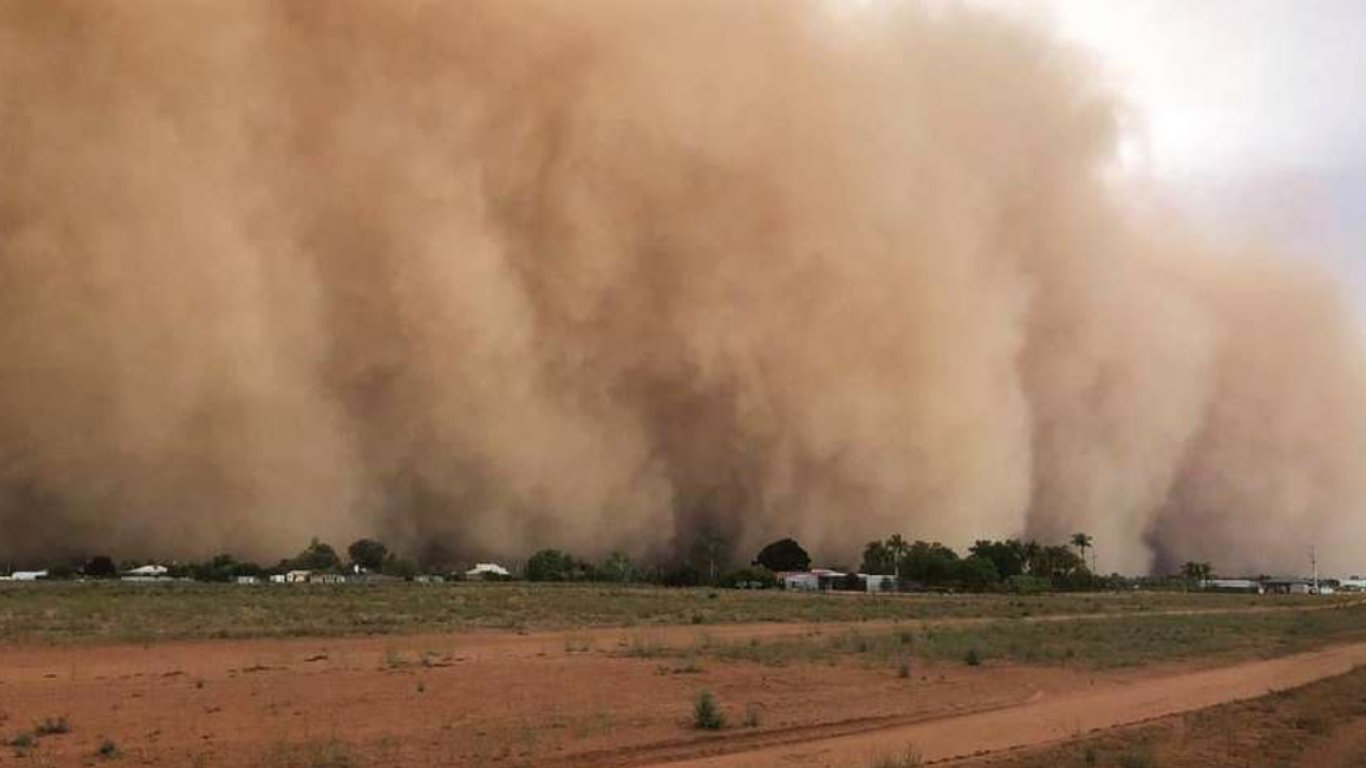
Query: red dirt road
point(599, 698)
point(1052, 718)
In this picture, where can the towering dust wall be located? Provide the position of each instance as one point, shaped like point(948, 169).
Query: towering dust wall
point(511, 273)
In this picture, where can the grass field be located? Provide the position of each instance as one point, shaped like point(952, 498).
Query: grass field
point(1099, 642)
point(124, 612)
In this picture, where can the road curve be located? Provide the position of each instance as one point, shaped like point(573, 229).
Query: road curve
point(1046, 720)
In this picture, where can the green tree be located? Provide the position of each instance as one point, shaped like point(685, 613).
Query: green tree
point(783, 555)
point(101, 567)
point(1005, 556)
point(554, 565)
point(368, 554)
point(710, 552)
point(978, 573)
point(930, 562)
point(1196, 572)
point(878, 559)
point(899, 548)
point(317, 556)
point(398, 567)
point(618, 567)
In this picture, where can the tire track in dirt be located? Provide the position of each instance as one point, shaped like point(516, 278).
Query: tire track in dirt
point(1038, 722)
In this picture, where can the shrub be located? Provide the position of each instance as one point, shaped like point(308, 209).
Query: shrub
point(108, 749)
point(707, 714)
point(52, 726)
point(1139, 758)
point(972, 658)
point(909, 759)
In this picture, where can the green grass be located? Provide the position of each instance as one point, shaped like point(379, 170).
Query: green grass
point(118, 612)
point(1100, 642)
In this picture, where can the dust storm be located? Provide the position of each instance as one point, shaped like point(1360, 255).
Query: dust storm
point(503, 274)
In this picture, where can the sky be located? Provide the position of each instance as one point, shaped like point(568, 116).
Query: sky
point(1249, 114)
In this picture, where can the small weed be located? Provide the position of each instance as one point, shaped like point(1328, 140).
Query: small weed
point(22, 740)
point(52, 726)
point(108, 750)
point(421, 687)
point(972, 658)
point(1139, 758)
point(903, 671)
point(751, 716)
point(706, 713)
point(908, 759)
point(690, 667)
point(1089, 757)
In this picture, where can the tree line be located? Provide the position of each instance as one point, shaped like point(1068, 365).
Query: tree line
point(1017, 565)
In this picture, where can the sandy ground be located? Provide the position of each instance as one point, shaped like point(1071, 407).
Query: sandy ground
point(566, 699)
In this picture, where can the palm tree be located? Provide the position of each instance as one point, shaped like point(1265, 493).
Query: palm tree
point(1082, 542)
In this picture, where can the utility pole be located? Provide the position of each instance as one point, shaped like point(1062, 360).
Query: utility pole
point(1314, 566)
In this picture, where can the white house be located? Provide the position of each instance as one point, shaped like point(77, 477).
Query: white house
point(28, 575)
point(297, 577)
point(878, 583)
point(146, 572)
point(800, 580)
point(486, 570)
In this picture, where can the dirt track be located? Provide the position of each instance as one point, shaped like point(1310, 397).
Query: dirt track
point(1047, 719)
point(576, 698)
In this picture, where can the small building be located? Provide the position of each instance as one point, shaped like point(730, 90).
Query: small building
point(876, 582)
point(1354, 584)
point(326, 578)
point(429, 578)
point(487, 571)
point(828, 579)
point(1233, 585)
point(153, 571)
point(28, 575)
point(248, 580)
point(802, 581)
point(278, 578)
point(1299, 586)
point(297, 577)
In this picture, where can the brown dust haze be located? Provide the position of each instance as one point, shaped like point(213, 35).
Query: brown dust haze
point(493, 275)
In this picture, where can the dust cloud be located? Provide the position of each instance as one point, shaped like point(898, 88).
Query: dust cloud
point(493, 275)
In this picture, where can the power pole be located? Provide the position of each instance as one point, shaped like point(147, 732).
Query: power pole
point(1314, 565)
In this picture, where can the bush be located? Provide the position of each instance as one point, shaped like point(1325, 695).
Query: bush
point(1028, 585)
point(706, 714)
point(972, 658)
point(754, 577)
point(1139, 758)
point(52, 726)
point(554, 565)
